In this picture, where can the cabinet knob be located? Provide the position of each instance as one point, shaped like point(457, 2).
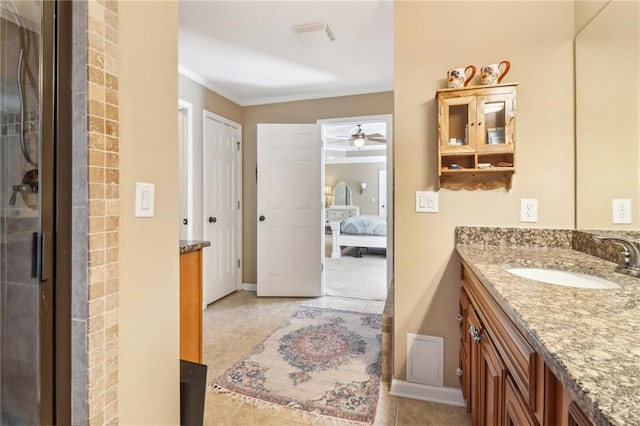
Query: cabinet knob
point(459, 372)
point(459, 318)
point(472, 124)
point(185, 222)
point(475, 334)
point(480, 123)
point(212, 219)
point(261, 218)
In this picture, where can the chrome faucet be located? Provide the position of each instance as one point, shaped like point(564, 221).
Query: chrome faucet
point(630, 261)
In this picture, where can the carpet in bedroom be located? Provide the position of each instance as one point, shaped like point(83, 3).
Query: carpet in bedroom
point(356, 278)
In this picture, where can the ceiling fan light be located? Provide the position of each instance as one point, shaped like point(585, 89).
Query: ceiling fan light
point(359, 141)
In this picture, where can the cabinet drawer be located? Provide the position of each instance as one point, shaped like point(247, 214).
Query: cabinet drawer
point(336, 215)
point(517, 353)
point(333, 216)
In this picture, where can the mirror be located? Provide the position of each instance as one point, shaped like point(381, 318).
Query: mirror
point(607, 61)
point(342, 195)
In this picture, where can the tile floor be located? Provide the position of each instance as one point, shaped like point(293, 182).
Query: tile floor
point(236, 323)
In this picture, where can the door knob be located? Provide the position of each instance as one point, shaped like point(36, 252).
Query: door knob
point(261, 218)
point(212, 219)
point(185, 222)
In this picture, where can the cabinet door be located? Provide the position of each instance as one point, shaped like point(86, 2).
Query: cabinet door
point(473, 322)
point(492, 375)
point(516, 412)
point(465, 376)
point(456, 124)
point(576, 416)
point(465, 349)
point(495, 123)
point(191, 306)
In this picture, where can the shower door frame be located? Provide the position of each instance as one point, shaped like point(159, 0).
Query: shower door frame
point(55, 214)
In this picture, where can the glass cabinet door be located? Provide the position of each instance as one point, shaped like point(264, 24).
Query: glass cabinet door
point(495, 123)
point(456, 124)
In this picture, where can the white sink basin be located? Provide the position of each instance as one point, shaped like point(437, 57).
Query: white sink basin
point(564, 278)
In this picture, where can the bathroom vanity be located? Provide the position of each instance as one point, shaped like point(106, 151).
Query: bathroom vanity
point(533, 353)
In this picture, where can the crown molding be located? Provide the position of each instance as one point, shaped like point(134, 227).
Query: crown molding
point(197, 78)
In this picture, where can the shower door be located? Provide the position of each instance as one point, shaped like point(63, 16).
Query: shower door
point(26, 211)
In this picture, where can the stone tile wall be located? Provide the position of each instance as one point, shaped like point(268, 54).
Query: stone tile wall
point(103, 211)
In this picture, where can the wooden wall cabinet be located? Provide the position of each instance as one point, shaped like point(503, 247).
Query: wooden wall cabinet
point(504, 381)
point(476, 136)
point(191, 306)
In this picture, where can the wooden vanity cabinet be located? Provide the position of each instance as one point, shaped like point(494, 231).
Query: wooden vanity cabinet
point(504, 381)
point(191, 306)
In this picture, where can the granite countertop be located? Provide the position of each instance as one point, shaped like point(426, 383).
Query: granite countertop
point(589, 338)
point(187, 246)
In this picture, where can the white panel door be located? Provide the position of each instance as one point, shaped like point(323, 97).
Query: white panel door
point(221, 209)
point(290, 205)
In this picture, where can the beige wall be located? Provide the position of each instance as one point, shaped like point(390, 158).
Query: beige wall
point(203, 99)
point(586, 10)
point(290, 112)
point(353, 174)
point(608, 117)
point(149, 279)
point(537, 37)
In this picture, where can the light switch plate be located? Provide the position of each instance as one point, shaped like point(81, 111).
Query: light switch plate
point(621, 208)
point(145, 195)
point(426, 202)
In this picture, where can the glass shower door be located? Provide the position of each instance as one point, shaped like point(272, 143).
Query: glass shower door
point(22, 301)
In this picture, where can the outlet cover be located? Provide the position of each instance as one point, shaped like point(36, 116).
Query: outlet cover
point(529, 210)
point(621, 209)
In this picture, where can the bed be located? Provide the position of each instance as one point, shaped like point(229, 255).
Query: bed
point(358, 231)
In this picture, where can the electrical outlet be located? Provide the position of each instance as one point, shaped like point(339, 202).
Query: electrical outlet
point(621, 210)
point(528, 210)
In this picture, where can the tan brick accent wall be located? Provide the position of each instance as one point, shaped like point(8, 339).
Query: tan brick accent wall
point(103, 181)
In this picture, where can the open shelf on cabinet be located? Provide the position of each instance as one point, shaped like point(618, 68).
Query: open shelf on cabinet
point(477, 171)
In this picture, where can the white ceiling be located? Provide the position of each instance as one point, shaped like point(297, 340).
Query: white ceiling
point(248, 52)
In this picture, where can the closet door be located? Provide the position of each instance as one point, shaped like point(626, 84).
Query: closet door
point(221, 200)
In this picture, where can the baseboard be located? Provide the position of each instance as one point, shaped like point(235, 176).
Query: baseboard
point(442, 395)
point(249, 287)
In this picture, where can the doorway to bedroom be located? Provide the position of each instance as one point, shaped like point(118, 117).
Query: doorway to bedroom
point(358, 214)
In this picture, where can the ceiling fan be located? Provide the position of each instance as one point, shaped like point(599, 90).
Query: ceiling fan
point(359, 138)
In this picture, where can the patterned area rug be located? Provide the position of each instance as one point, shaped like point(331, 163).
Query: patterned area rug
point(321, 361)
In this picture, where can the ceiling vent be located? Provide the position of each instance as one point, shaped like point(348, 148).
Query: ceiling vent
point(315, 34)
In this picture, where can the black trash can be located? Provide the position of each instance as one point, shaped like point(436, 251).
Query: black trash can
point(193, 383)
